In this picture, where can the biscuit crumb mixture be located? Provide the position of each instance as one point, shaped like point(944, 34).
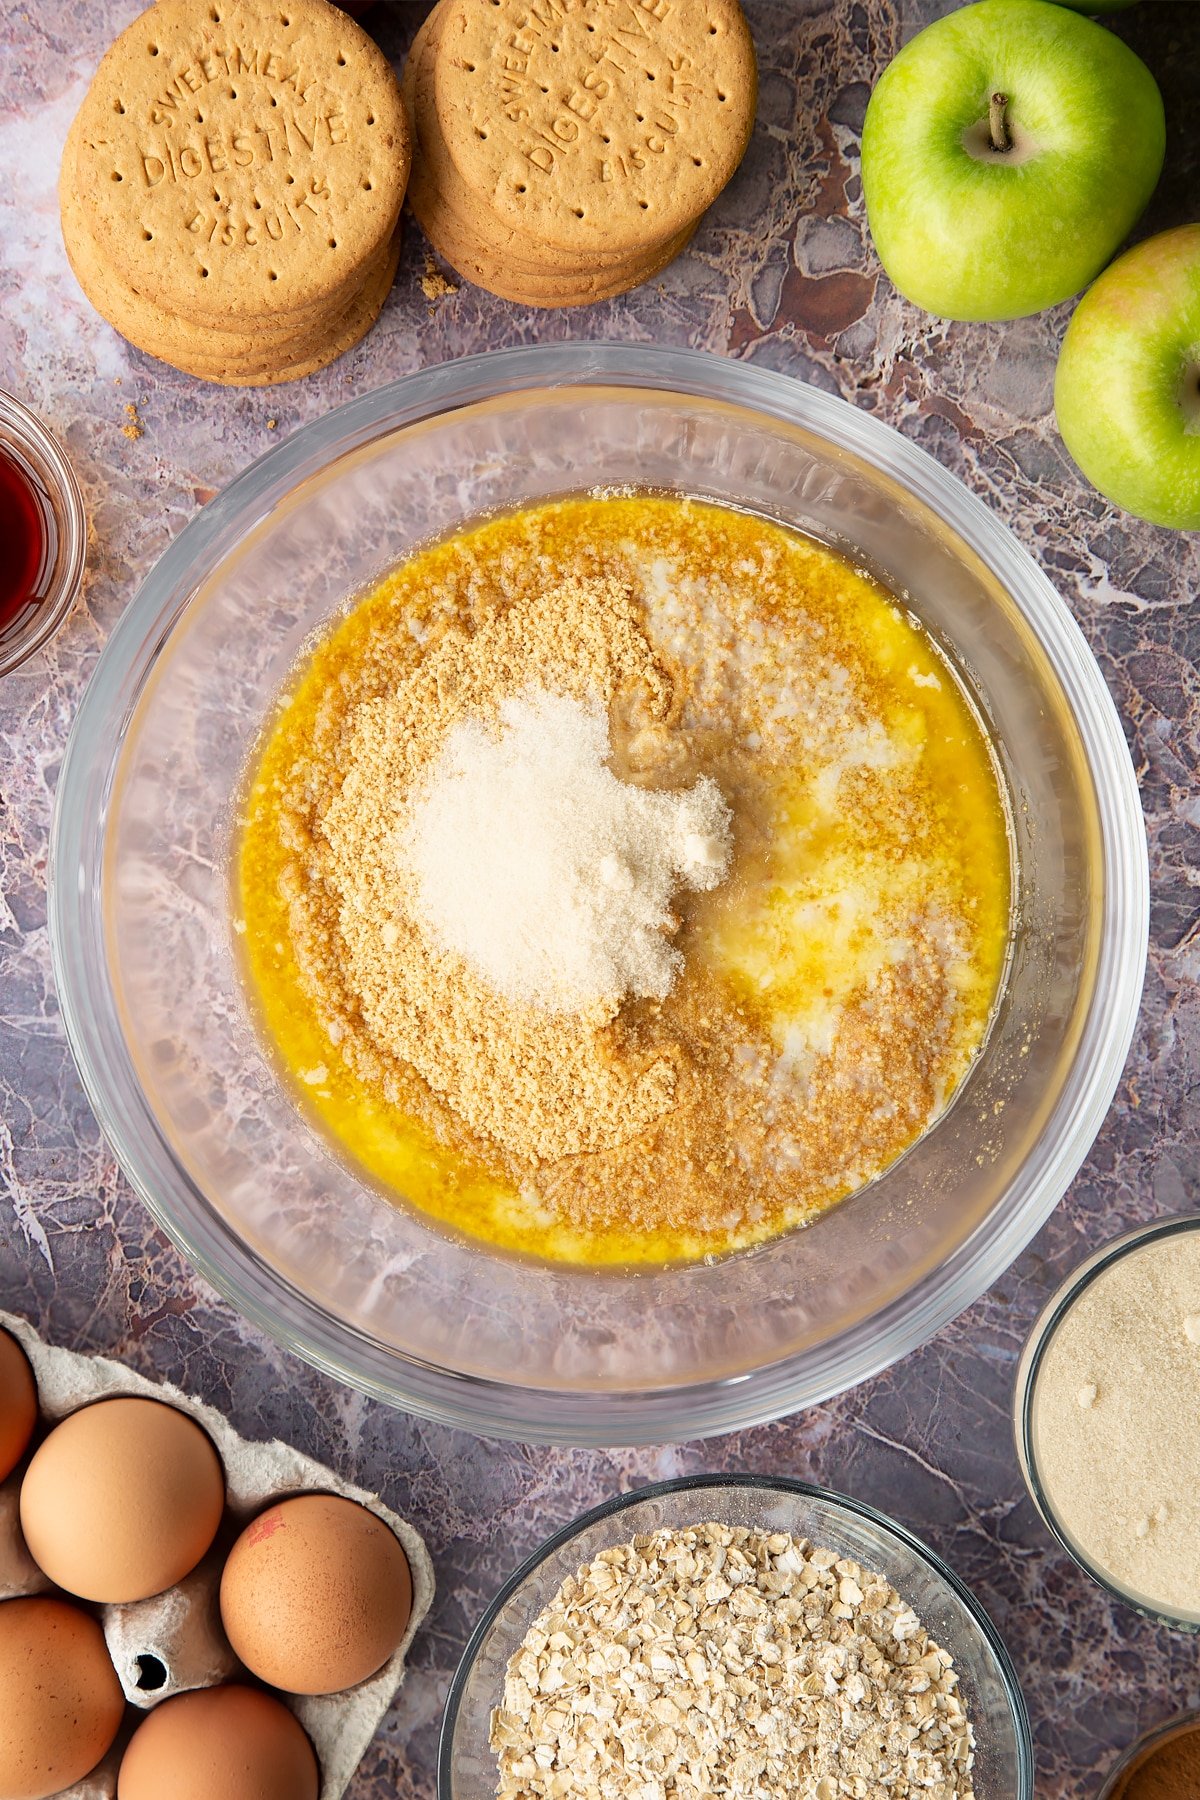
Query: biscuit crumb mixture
point(723, 1660)
point(415, 908)
point(479, 1023)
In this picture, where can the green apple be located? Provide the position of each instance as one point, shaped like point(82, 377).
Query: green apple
point(1127, 391)
point(1007, 151)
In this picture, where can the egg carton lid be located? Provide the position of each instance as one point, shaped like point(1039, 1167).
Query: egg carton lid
point(341, 1726)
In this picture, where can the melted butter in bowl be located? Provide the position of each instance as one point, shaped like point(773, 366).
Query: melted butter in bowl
point(829, 993)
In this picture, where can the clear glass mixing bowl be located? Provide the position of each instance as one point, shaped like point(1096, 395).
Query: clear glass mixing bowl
point(949, 1611)
point(189, 1097)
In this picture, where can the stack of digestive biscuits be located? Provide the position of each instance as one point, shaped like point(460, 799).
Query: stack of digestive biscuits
point(231, 186)
point(564, 151)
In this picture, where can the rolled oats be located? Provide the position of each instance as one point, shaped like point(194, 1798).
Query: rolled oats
point(722, 1660)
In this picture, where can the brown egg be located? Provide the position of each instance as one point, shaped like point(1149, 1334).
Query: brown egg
point(316, 1594)
point(18, 1403)
point(60, 1701)
point(223, 1743)
point(122, 1500)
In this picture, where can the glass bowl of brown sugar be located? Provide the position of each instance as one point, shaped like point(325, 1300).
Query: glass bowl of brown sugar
point(1164, 1764)
point(284, 1222)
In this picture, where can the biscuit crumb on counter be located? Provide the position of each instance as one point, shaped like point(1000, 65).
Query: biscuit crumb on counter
point(434, 284)
point(133, 427)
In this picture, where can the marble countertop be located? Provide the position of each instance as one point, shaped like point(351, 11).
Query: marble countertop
point(781, 274)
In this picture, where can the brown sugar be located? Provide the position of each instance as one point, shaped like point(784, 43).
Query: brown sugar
point(1170, 1772)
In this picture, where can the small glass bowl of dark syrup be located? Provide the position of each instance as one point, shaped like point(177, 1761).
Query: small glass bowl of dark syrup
point(43, 534)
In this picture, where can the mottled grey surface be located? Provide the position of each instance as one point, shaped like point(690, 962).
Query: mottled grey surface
point(782, 274)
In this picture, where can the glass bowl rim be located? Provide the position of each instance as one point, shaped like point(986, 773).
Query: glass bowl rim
point(1028, 1369)
point(283, 1311)
point(71, 520)
point(779, 1484)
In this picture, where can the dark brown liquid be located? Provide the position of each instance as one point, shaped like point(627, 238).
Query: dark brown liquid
point(26, 559)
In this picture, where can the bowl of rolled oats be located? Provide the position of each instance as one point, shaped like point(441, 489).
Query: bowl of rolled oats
point(746, 1636)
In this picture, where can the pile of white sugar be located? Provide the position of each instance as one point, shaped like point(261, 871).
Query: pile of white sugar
point(1114, 1416)
point(548, 874)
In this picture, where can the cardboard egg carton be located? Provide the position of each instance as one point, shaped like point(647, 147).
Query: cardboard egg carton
point(174, 1642)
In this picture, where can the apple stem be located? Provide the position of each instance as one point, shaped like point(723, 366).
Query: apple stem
point(998, 123)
